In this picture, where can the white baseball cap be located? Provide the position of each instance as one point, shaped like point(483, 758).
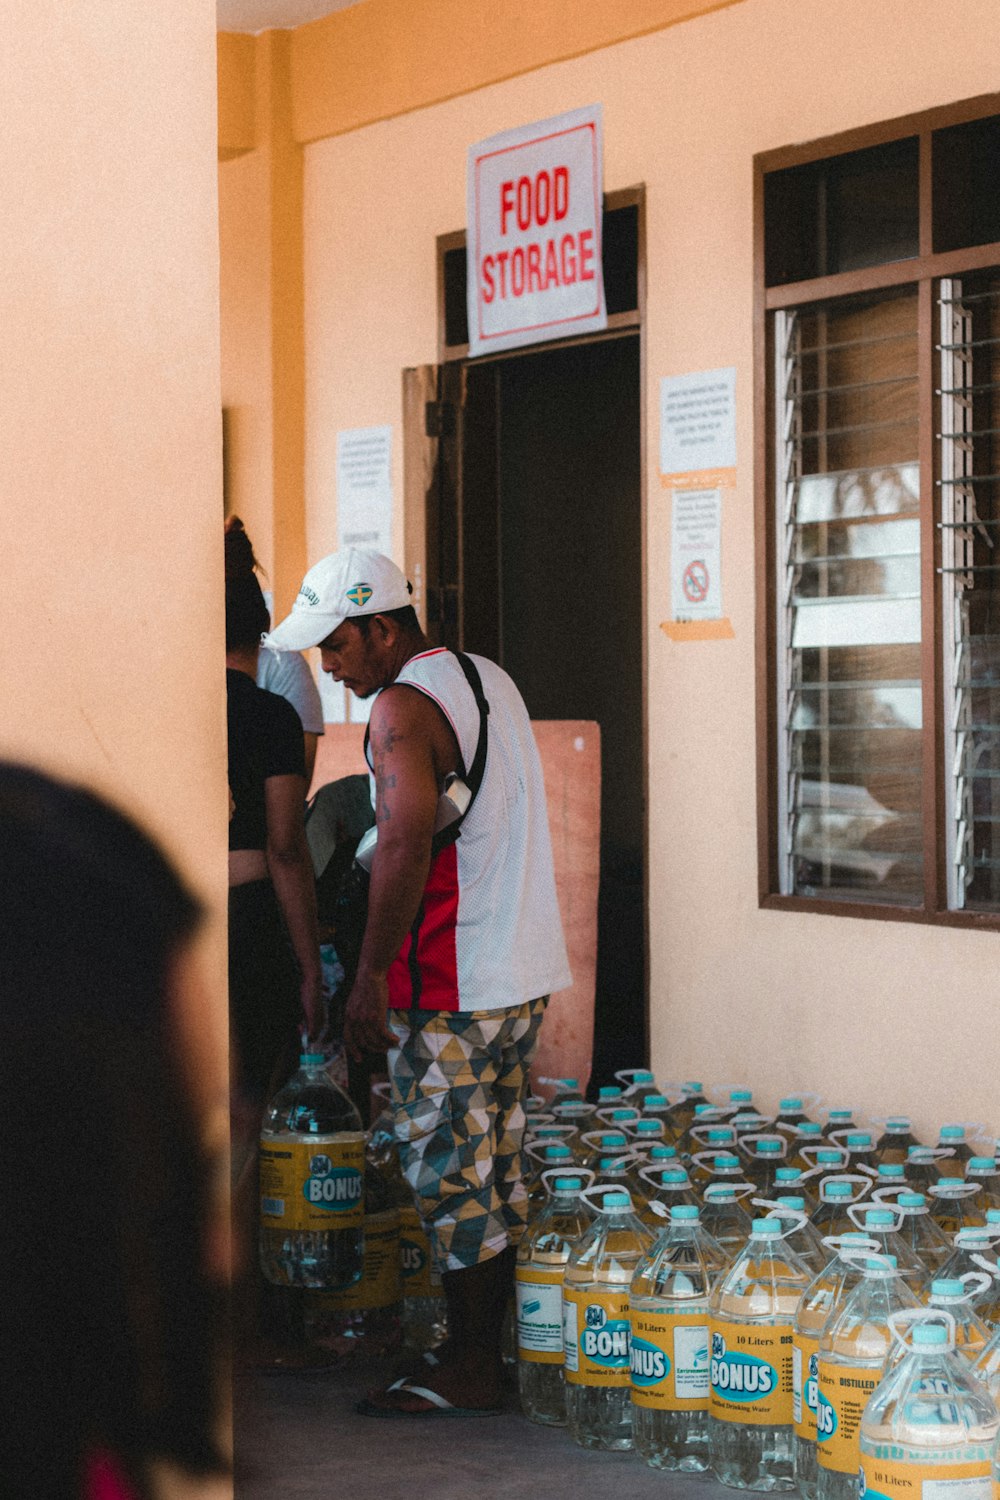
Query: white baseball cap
point(354, 581)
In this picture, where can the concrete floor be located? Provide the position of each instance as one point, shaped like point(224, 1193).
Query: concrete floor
point(300, 1439)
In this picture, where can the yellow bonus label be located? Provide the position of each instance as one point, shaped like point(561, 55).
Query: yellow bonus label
point(750, 1373)
point(668, 1358)
point(891, 1479)
point(596, 1337)
point(538, 1290)
point(312, 1183)
point(805, 1384)
point(843, 1394)
point(416, 1266)
point(380, 1282)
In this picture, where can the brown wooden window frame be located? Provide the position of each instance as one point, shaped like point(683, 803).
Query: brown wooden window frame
point(923, 272)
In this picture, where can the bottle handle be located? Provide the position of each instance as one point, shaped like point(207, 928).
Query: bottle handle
point(981, 1279)
point(741, 1189)
point(782, 1211)
point(763, 1135)
point(901, 1321)
point(646, 1174)
point(859, 1207)
point(842, 1247)
point(558, 1083)
point(660, 1134)
point(536, 1150)
point(699, 1133)
point(592, 1139)
point(604, 1114)
point(865, 1182)
point(810, 1153)
point(954, 1193)
point(704, 1159)
point(555, 1172)
point(992, 1266)
point(603, 1187)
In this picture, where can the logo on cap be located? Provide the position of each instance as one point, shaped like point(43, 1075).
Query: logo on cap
point(359, 594)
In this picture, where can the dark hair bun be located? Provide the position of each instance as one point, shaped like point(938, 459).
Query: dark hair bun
point(240, 559)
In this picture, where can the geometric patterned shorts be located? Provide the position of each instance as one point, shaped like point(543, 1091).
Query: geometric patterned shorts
point(459, 1084)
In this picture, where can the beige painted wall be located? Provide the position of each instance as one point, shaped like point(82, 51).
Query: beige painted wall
point(866, 1013)
point(110, 471)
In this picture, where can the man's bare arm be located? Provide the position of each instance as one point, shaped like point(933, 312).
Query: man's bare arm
point(409, 740)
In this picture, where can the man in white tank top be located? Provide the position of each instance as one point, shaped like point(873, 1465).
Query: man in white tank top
point(463, 944)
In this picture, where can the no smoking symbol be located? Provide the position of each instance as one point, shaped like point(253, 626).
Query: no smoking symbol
point(695, 582)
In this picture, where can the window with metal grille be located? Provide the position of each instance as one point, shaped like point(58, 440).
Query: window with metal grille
point(879, 522)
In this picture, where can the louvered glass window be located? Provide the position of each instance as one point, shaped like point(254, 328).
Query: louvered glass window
point(849, 684)
point(969, 485)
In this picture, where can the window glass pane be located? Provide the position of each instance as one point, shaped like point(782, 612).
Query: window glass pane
point(969, 485)
point(966, 184)
point(843, 213)
point(850, 700)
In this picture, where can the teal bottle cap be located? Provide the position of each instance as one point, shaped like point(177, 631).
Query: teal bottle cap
point(662, 1153)
point(930, 1335)
point(826, 1157)
point(948, 1287)
point(693, 1088)
point(720, 1133)
point(768, 1229)
point(684, 1212)
point(740, 1096)
point(887, 1263)
point(792, 1200)
point(623, 1114)
point(897, 1123)
point(726, 1162)
point(981, 1164)
point(568, 1083)
point(642, 1075)
point(953, 1132)
point(676, 1175)
point(787, 1174)
point(993, 1216)
point(792, 1102)
point(810, 1127)
point(654, 1101)
point(841, 1114)
point(648, 1127)
point(911, 1200)
point(612, 1139)
point(768, 1148)
point(700, 1110)
point(546, 1132)
point(879, 1218)
point(891, 1169)
point(609, 1091)
point(722, 1194)
point(312, 1060)
point(860, 1140)
point(837, 1189)
point(612, 1163)
point(616, 1200)
point(568, 1184)
point(557, 1152)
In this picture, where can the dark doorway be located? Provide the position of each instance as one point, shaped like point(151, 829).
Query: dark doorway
point(539, 544)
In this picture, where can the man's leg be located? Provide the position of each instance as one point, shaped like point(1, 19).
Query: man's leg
point(450, 1117)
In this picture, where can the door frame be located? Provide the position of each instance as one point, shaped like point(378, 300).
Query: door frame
point(421, 457)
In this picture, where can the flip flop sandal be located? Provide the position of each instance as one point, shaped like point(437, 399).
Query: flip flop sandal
point(438, 1406)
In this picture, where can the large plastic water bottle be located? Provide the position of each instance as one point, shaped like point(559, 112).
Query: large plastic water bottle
point(368, 1313)
point(750, 1397)
point(930, 1427)
point(724, 1217)
point(922, 1234)
point(975, 1250)
point(800, 1235)
point(668, 1312)
point(312, 1166)
point(541, 1261)
point(596, 1322)
point(953, 1206)
point(638, 1084)
point(424, 1310)
point(836, 1195)
point(819, 1303)
point(853, 1349)
point(895, 1140)
point(984, 1171)
point(882, 1224)
point(952, 1139)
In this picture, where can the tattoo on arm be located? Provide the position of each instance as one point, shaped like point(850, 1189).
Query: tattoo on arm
point(385, 780)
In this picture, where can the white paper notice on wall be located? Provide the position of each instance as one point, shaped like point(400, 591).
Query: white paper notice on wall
point(535, 198)
point(698, 421)
point(696, 555)
point(364, 488)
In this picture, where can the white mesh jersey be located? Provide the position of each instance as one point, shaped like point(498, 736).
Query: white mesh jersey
point(488, 934)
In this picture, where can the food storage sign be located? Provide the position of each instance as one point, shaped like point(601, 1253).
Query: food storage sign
point(534, 238)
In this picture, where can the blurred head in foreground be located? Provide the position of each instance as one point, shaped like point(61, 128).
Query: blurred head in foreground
point(110, 1318)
